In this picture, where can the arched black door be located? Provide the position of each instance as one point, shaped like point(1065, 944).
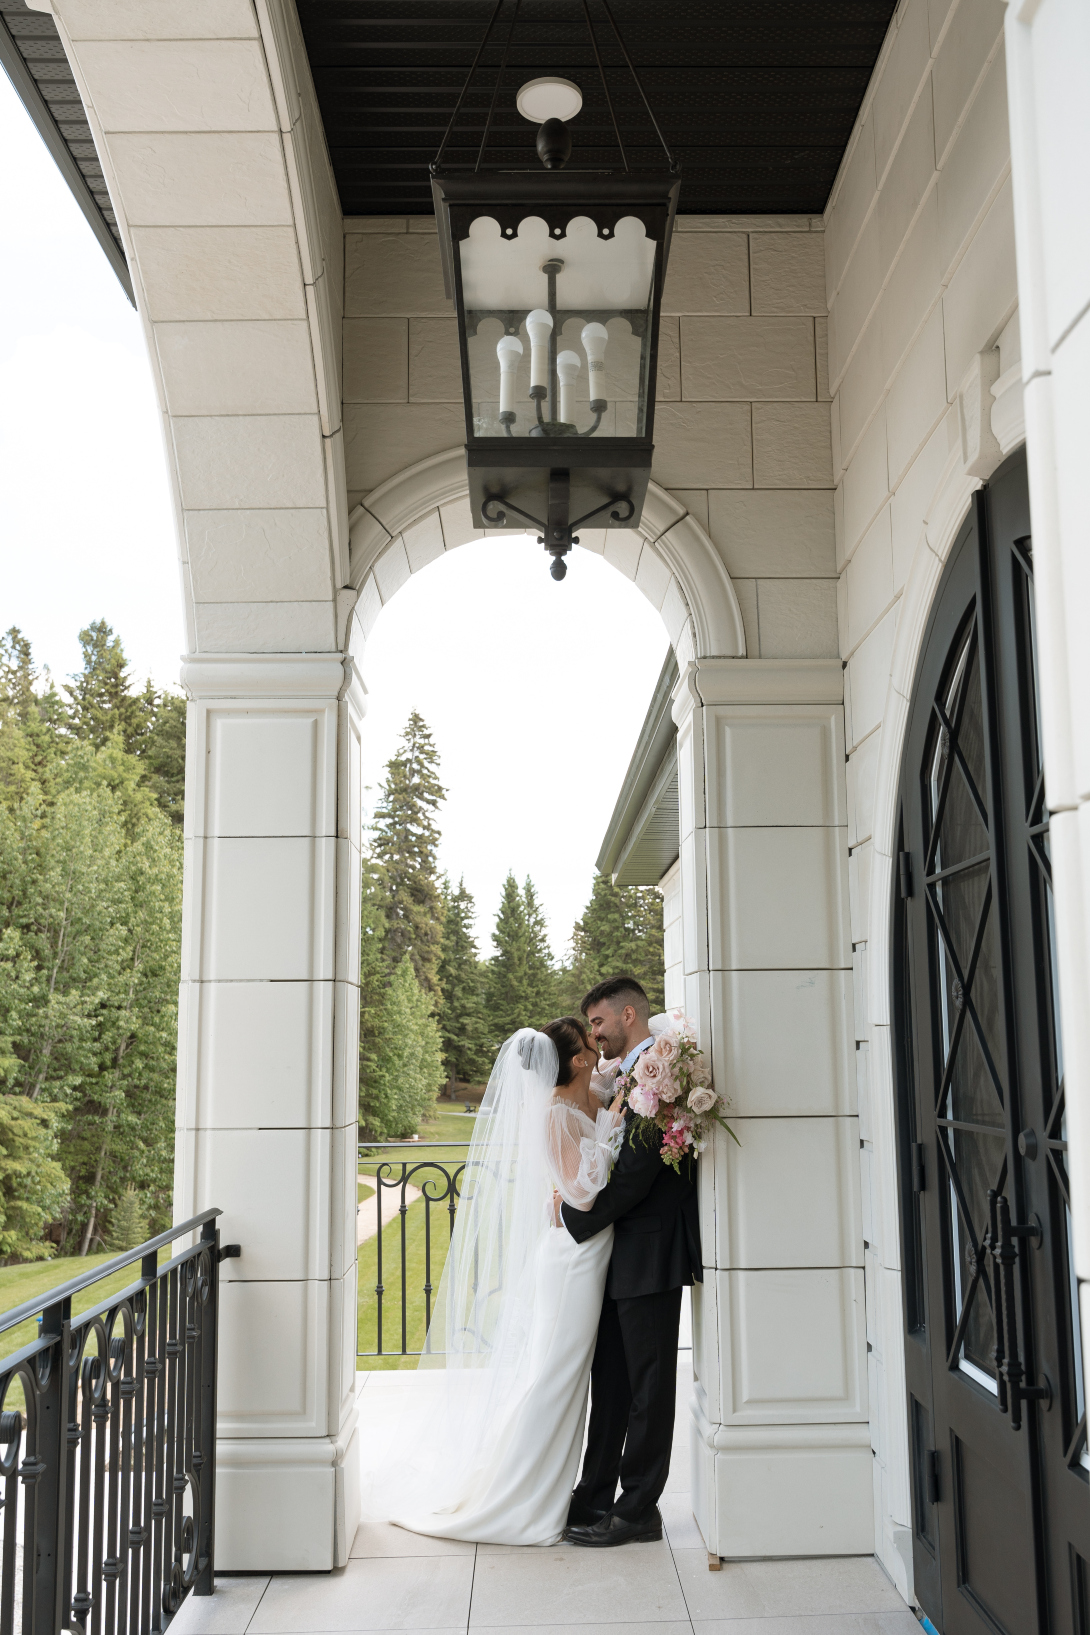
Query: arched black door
point(997, 1415)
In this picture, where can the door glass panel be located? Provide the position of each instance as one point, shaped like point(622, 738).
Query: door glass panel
point(977, 1164)
point(959, 895)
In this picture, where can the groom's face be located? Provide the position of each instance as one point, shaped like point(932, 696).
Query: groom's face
point(611, 1024)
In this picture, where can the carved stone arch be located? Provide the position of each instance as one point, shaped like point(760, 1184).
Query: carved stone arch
point(416, 516)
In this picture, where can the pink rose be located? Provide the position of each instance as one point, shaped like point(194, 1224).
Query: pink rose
point(702, 1100)
point(643, 1101)
point(668, 1087)
point(665, 1048)
point(648, 1070)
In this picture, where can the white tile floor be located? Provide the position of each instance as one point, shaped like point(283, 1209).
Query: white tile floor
point(399, 1581)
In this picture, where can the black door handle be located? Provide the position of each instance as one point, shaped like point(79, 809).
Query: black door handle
point(1000, 1242)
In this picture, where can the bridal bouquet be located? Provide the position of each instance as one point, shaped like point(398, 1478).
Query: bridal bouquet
point(670, 1089)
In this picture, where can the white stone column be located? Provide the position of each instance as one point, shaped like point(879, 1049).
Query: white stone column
point(267, 1086)
point(1048, 59)
point(780, 1441)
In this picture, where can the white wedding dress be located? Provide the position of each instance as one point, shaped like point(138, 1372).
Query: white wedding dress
point(520, 1490)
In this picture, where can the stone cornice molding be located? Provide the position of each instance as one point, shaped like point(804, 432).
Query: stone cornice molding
point(274, 676)
point(673, 534)
point(726, 681)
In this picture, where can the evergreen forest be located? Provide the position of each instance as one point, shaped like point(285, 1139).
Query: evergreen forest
point(92, 784)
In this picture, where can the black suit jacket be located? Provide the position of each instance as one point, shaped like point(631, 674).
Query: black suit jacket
point(653, 1210)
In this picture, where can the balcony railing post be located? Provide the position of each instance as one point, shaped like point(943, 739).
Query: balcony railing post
point(44, 1472)
point(205, 1428)
point(99, 1537)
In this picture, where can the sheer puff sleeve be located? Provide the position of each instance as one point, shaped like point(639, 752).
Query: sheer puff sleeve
point(579, 1161)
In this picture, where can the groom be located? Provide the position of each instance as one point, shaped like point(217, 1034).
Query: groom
point(656, 1251)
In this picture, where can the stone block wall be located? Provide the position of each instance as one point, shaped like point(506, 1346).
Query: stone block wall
point(742, 422)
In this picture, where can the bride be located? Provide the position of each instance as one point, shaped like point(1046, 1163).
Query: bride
point(495, 1459)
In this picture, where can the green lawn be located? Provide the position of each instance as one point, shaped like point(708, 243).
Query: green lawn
point(444, 1126)
point(31, 1281)
point(416, 1269)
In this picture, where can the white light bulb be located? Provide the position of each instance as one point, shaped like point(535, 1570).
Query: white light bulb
point(568, 365)
point(594, 338)
point(509, 351)
point(539, 327)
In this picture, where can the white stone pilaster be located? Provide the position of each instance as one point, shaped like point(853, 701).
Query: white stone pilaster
point(780, 1439)
point(267, 1086)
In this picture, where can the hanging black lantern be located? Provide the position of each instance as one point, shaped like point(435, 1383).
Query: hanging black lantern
point(557, 278)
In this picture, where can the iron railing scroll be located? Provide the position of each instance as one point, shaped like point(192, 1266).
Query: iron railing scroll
point(439, 1185)
point(108, 1445)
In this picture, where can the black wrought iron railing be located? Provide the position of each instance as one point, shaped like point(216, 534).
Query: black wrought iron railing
point(400, 1265)
point(108, 1445)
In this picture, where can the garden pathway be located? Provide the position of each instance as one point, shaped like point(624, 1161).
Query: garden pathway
point(389, 1201)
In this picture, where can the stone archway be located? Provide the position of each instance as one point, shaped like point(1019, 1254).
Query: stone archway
point(424, 511)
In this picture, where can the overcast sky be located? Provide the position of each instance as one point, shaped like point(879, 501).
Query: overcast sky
point(534, 691)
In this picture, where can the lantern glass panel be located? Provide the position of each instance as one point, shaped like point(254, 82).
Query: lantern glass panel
point(597, 348)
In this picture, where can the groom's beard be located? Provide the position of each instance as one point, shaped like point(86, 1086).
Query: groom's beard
point(612, 1045)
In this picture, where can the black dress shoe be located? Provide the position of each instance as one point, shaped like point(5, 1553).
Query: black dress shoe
point(612, 1530)
point(583, 1515)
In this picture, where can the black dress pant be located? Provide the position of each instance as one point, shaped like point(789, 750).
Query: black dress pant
point(633, 1385)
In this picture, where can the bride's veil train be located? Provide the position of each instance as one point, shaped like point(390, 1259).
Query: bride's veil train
point(480, 1337)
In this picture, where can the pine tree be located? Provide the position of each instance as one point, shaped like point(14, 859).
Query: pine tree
point(128, 1222)
point(620, 932)
point(374, 981)
point(163, 752)
point(462, 1021)
point(405, 850)
point(33, 720)
point(102, 701)
point(539, 958)
point(408, 1065)
point(520, 985)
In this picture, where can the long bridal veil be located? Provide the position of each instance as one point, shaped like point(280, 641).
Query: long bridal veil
point(480, 1335)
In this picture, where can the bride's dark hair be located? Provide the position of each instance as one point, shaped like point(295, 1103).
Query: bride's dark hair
point(570, 1037)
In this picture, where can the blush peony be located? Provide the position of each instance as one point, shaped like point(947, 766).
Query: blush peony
point(643, 1101)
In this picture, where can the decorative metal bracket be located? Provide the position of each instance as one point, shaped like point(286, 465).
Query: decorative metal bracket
point(557, 534)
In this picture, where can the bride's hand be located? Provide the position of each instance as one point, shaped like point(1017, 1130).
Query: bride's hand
point(557, 1201)
point(618, 1102)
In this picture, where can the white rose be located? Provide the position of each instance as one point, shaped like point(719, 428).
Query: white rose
point(702, 1100)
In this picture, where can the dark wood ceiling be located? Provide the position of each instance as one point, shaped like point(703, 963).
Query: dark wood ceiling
point(756, 97)
point(33, 57)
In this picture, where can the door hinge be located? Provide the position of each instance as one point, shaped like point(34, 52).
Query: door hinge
point(931, 1475)
point(919, 1173)
point(904, 869)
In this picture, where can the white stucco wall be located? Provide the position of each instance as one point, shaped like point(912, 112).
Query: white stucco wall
point(922, 292)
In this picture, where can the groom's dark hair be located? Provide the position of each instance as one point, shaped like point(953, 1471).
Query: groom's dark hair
point(625, 989)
